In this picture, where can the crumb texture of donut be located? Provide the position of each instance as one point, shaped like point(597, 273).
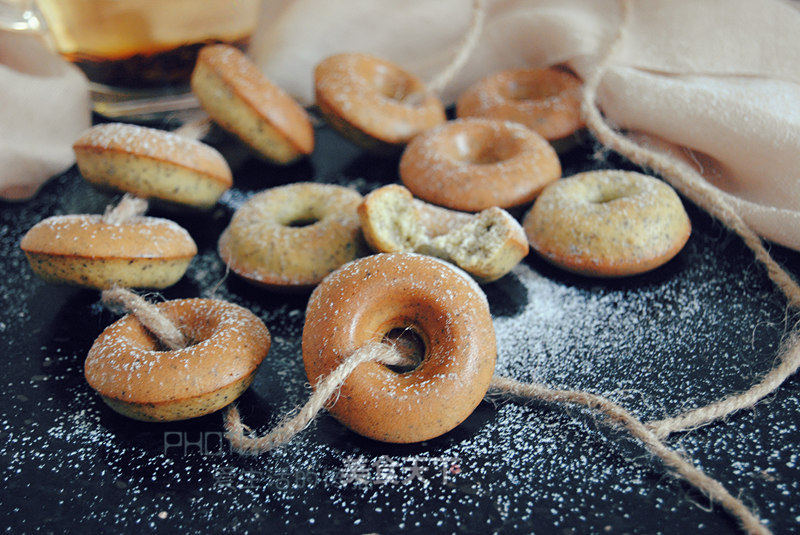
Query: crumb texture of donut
point(84, 250)
point(239, 98)
point(608, 223)
point(486, 245)
point(370, 298)
point(548, 101)
point(475, 164)
point(373, 102)
point(152, 163)
point(291, 237)
point(137, 377)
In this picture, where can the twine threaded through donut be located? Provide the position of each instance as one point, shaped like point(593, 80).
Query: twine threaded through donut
point(687, 181)
point(326, 389)
point(128, 207)
point(148, 315)
point(301, 417)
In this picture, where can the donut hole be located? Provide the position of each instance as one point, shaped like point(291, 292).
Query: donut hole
point(397, 86)
point(608, 194)
point(302, 216)
point(302, 222)
point(528, 89)
point(410, 344)
point(483, 147)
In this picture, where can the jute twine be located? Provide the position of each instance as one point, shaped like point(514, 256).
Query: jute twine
point(128, 207)
point(692, 185)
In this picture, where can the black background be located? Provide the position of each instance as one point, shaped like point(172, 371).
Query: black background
point(706, 324)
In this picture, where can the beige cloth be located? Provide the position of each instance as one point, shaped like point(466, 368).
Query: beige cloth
point(719, 77)
point(44, 106)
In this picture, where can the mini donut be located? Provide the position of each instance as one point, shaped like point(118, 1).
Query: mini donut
point(375, 296)
point(291, 237)
point(486, 245)
point(142, 252)
point(239, 98)
point(548, 101)
point(474, 164)
point(136, 377)
point(608, 223)
point(152, 163)
point(373, 102)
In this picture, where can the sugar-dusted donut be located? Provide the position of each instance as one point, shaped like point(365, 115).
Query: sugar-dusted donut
point(152, 163)
point(486, 245)
point(608, 223)
point(373, 102)
point(474, 164)
point(239, 98)
point(142, 252)
point(291, 237)
point(372, 297)
point(136, 377)
point(548, 101)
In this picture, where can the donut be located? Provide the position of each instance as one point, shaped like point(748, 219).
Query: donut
point(152, 163)
point(548, 101)
point(136, 377)
point(608, 223)
point(486, 245)
point(474, 164)
point(373, 102)
point(86, 250)
point(239, 98)
point(372, 298)
point(291, 237)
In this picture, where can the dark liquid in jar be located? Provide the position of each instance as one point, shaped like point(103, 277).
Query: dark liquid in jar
point(147, 69)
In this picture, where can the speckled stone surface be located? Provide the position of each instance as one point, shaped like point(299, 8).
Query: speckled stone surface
point(706, 323)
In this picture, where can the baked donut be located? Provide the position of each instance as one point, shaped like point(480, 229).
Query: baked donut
point(142, 252)
point(474, 164)
point(239, 98)
point(291, 237)
point(372, 298)
point(548, 101)
point(486, 245)
point(608, 223)
point(152, 163)
point(373, 102)
point(138, 378)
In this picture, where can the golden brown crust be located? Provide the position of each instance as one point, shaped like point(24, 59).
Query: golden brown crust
point(143, 252)
point(365, 300)
point(608, 223)
point(157, 145)
point(474, 164)
point(268, 101)
point(89, 236)
point(374, 102)
point(126, 365)
point(548, 101)
point(263, 247)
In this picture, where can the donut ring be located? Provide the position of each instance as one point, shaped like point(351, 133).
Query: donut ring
point(142, 252)
point(608, 223)
point(152, 163)
point(136, 378)
point(372, 296)
point(291, 237)
point(474, 164)
point(234, 92)
point(373, 102)
point(548, 101)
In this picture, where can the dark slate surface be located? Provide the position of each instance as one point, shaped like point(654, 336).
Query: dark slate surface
point(708, 323)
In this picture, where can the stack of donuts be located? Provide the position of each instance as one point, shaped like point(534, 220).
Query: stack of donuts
point(451, 225)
